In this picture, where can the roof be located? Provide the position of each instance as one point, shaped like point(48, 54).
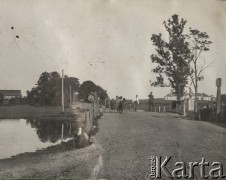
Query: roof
point(157, 101)
point(173, 95)
point(11, 92)
point(170, 95)
point(193, 94)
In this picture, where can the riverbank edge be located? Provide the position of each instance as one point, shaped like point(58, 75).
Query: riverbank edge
point(47, 163)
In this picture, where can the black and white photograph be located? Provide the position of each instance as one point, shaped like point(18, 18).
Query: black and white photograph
point(112, 89)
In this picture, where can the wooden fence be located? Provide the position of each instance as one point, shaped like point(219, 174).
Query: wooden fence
point(88, 114)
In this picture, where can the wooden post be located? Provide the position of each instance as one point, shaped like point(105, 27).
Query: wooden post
point(159, 108)
point(164, 109)
point(218, 84)
point(62, 132)
point(79, 131)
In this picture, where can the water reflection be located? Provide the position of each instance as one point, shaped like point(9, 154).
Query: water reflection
point(21, 135)
point(51, 131)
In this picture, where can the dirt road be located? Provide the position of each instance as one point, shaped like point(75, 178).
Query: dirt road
point(129, 140)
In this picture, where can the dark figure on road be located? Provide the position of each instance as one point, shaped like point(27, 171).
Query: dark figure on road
point(117, 103)
point(136, 103)
point(107, 103)
point(122, 104)
point(150, 101)
point(112, 103)
point(208, 112)
point(130, 106)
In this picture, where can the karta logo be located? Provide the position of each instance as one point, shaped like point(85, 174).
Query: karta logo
point(158, 167)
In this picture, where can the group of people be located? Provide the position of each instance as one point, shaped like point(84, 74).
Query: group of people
point(120, 104)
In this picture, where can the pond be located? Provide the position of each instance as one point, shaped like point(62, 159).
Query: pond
point(21, 135)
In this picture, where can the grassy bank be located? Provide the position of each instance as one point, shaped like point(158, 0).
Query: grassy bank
point(27, 111)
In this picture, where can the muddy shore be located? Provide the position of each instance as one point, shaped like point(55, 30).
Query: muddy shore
point(47, 163)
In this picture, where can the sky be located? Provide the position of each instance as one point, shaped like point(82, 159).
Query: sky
point(105, 41)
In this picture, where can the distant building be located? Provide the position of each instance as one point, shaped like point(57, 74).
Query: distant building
point(204, 97)
point(10, 94)
point(200, 96)
point(173, 97)
point(170, 97)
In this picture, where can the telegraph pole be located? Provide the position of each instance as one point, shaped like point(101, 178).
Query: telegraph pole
point(70, 96)
point(62, 90)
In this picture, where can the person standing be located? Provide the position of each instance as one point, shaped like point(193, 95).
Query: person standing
point(136, 103)
point(116, 103)
point(112, 103)
point(130, 106)
point(150, 101)
point(123, 105)
point(120, 107)
point(107, 105)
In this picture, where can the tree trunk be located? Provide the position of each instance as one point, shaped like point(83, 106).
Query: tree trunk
point(178, 101)
point(184, 109)
point(196, 91)
point(178, 106)
point(195, 105)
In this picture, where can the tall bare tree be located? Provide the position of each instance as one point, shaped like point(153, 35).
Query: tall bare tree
point(199, 44)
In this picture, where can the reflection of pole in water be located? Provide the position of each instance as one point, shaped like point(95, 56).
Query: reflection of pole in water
point(62, 132)
point(70, 129)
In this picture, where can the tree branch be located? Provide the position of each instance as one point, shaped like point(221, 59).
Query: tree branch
point(203, 67)
point(198, 55)
point(192, 79)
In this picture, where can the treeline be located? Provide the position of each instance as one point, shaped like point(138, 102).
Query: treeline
point(48, 90)
point(88, 87)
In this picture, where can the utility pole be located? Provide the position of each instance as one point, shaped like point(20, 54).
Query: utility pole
point(62, 90)
point(70, 96)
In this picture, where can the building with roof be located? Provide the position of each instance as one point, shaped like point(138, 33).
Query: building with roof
point(10, 94)
point(200, 96)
